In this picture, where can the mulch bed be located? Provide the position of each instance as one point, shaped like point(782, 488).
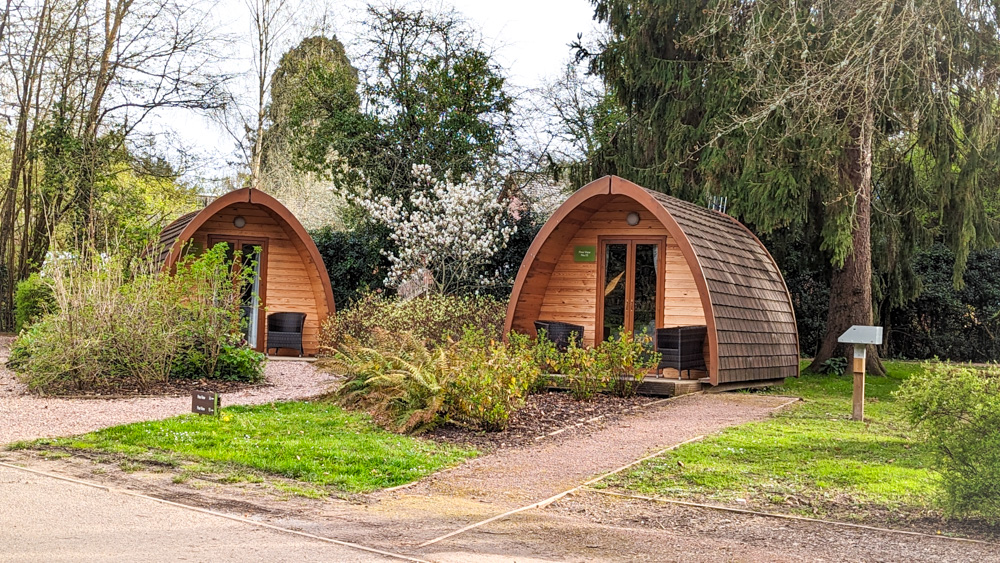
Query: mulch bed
point(543, 413)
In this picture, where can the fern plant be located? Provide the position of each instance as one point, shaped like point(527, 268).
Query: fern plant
point(401, 383)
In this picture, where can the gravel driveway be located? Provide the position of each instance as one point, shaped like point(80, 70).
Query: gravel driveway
point(26, 417)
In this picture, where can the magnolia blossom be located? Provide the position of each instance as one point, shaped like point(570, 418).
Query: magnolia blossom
point(448, 229)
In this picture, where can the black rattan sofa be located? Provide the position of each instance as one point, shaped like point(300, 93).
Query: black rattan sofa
point(560, 332)
point(682, 347)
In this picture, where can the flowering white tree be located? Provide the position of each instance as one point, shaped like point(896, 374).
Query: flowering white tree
point(446, 233)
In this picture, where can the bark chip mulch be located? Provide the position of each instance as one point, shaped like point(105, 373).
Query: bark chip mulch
point(543, 414)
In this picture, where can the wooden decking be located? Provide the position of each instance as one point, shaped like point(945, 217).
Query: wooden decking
point(664, 387)
point(673, 387)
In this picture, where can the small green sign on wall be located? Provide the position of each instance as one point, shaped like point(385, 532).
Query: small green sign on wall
point(585, 253)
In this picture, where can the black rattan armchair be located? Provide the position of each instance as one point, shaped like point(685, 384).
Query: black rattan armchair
point(559, 333)
point(284, 330)
point(682, 347)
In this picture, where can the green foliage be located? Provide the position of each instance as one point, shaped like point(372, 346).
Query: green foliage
point(312, 442)
point(493, 379)
point(315, 113)
point(438, 97)
point(116, 325)
point(616, 366)
point(834, 366)
point(945, 322)
point(354, 260)
point(32, 299)
point(506, 262)
point(401, 383)
point(234, 363)
point(433, 95)
point(959, 409)
point(583, 373)
point(627, 359)
point(107, 331)
point(409, 387)
point(240, 363)
point(433, 318)
point(206, 293)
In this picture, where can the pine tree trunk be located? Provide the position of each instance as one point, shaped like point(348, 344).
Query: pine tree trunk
point(851, 285)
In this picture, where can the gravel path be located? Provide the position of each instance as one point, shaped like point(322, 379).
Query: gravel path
point(27, 417)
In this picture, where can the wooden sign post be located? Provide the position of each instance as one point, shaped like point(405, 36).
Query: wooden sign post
point(860, 336)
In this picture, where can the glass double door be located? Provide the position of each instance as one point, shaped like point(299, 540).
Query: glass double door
point(630, 285)
point(252, 252)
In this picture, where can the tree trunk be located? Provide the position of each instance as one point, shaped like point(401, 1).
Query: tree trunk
point(851, 285)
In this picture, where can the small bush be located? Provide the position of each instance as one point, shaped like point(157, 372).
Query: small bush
point(235, 362)
point(834, 366)
point(118, 325)
point(585, 375)
point(616, 366)
point(627, 359)
point(240, 363)
point(409, 387)
point(959, 409)
point(401, 383)
point(432, 318)
point(32, 299)
point(493, 379)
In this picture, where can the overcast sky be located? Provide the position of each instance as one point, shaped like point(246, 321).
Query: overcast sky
point(530, 37)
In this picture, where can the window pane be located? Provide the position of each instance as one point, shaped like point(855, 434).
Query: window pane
point(615, 257)
point(647, 257)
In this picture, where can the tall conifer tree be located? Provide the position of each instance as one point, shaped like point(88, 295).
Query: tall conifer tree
point(830, 116)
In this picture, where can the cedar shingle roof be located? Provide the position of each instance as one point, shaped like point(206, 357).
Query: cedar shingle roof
point(754, 319)
point(168, 236)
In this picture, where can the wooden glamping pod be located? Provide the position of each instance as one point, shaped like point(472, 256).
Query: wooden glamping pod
point(291, 276)
point(616, 255)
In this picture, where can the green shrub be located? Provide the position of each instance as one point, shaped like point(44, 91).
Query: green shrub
point(353, 258)
point(959, 409)
point(32, 299)
point(834, 366)
point(401, 383)
point(432, 318)
point(584, 373)
point(234, 363)
point(616, 366)
point(240, 363)
point(627, 359)
point(409, 387)
point(493, 379)
point(117, 325)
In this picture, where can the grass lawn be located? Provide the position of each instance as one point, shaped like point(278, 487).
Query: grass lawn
point(317, 443)
point(809, 459)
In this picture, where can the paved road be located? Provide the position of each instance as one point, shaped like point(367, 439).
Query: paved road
point(46, 519)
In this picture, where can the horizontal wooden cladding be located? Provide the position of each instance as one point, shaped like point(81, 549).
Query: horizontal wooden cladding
point(570, 292)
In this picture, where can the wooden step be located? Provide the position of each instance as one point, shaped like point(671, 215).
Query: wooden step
point(664, 387)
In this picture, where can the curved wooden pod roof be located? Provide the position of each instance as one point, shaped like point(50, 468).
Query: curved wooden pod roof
point(752, 333)
point(176, 234)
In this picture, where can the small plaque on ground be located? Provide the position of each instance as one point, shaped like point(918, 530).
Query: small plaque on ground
point(205, 402)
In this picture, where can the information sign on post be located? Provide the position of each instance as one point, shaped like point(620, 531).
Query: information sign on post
point(860, 336)
point(205, 402)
